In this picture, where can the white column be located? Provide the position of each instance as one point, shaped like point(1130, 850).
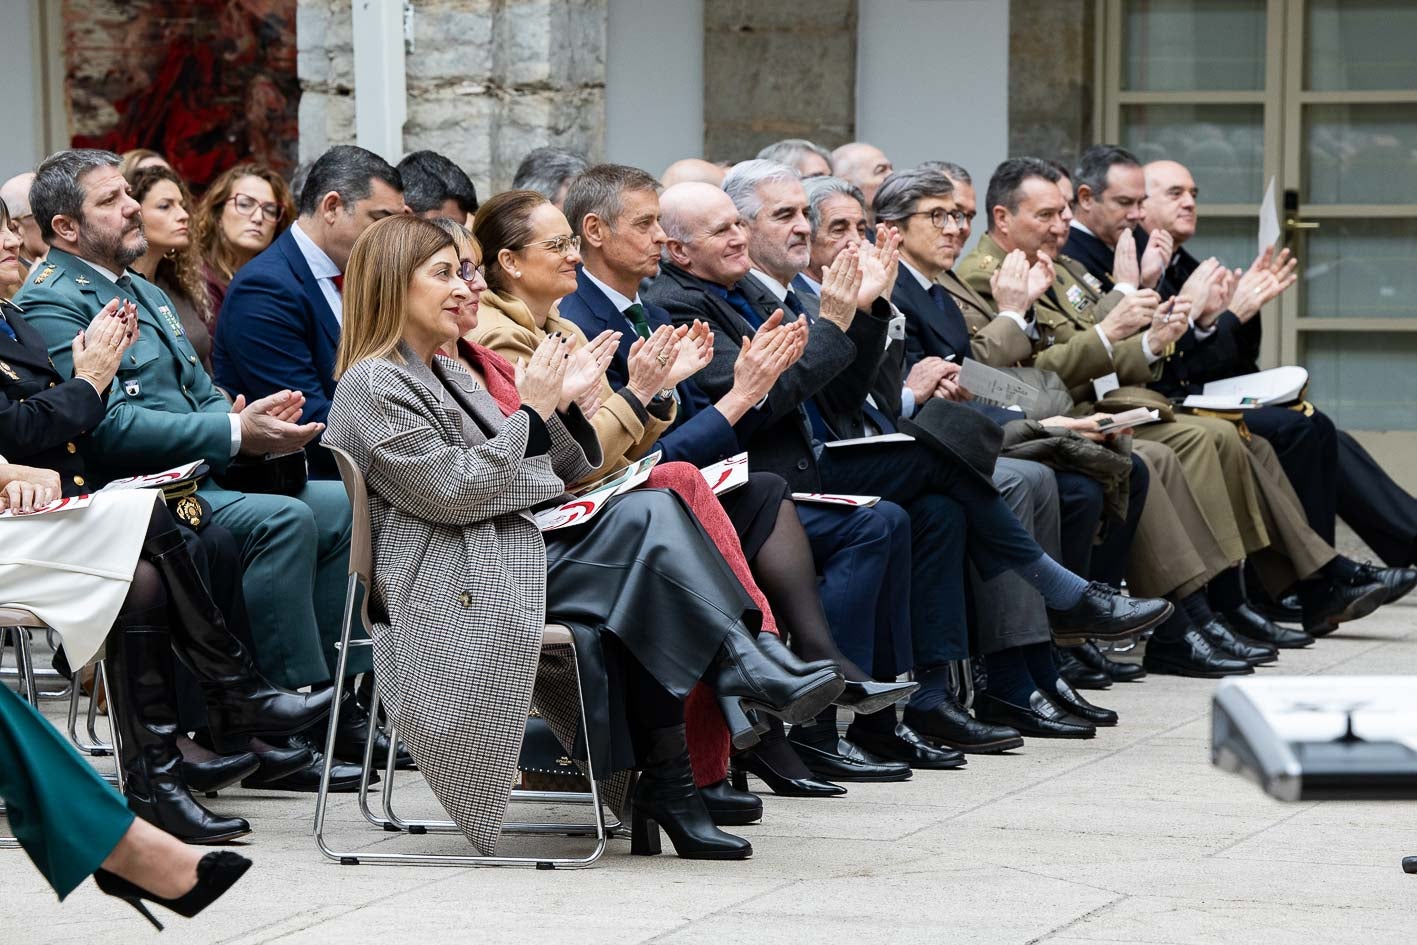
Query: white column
point(380, 96)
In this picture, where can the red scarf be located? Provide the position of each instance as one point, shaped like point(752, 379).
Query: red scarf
point(497, 371)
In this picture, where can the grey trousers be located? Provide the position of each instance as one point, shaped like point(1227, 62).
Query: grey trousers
point(1007, 611)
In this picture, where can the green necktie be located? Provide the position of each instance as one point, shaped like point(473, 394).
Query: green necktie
point(636, 314)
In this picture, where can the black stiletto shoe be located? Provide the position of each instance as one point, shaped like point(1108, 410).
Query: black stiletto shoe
point(216, 873)
point(779, 784)
point(864, 698)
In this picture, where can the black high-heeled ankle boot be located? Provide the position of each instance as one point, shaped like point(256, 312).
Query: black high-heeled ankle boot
point(665, 796)
point(139, 674)
point(239, 700)
point(744, 729)
point(216, 873)
point(741, 668)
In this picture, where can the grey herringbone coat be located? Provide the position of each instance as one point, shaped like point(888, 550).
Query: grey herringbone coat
point(459, 590)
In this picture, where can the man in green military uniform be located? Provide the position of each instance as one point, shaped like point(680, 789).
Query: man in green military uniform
point(165, 411)
point(1102, 340)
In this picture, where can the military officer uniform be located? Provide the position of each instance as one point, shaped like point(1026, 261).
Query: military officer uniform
point(164, 410)
point(1264, 513)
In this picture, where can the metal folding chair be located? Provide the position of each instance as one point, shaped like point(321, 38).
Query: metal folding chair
point(360, 575)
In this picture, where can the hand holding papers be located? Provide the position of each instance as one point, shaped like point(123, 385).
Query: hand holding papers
point(992, 386)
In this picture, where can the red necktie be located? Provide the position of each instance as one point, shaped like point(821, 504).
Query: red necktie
point(339, 283)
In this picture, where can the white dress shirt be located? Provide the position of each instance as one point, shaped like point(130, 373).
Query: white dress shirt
point(323, 268)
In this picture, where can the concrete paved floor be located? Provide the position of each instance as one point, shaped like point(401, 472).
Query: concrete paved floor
point(1131, 837)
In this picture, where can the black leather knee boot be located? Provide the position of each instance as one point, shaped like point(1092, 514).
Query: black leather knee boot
point(138, 666)
point(742, 670)
point(665, 796)
point(239, 700)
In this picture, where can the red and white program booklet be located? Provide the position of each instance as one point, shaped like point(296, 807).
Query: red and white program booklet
point(590, 499)
point(58, 505)
point(826, 498)
point(154, 480)
point(727, 474)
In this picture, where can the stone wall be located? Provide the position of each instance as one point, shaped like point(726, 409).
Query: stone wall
point(488, 80)
point(777, 69)
point(1051, 61)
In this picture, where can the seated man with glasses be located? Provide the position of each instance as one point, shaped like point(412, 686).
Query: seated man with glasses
point(279, 325)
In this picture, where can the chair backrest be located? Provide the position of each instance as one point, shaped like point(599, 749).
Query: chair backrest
point(361, 545)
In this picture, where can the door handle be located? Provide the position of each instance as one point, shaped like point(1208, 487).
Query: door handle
point(1293, 223)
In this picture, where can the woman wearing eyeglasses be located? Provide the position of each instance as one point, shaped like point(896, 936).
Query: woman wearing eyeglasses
point(242, 213)
point(172, 262)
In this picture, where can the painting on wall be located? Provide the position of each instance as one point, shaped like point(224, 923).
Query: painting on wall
point(205, 83)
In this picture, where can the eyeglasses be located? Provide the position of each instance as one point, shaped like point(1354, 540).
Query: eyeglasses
point(563, 245)
point(246, 205)
point(469, 273)
point(941, 218)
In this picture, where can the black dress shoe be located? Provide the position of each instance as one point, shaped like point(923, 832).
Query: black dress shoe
point(730, 807)
point(950, 725)
point(832, 757)
point(905, 744)
point(1070, 701)
point(273, 761)
point(1191, 655)
point(353, 732)
point(1228, 642)
point(1398, 581)
point(208, 777)
point(748, 762)
point(1245, 620)
point(1338, 603)
point(1075, 671)
point(1091, 656)
point(1040, 718)
point(864, 698)
point(344, 778)
point(1105, 614)
point(1285, 610)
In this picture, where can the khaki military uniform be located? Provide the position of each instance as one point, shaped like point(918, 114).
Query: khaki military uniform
point(1246, 512)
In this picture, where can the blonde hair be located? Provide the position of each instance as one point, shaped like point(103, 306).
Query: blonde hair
point(381, 268)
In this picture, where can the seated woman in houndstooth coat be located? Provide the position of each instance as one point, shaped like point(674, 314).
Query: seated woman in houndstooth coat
point(464, 579)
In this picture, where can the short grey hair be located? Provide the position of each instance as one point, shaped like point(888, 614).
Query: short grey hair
point(598, 190)
point(950, 169)
point(821, 189)
point(56, 189)
point(902, 191)
point(544, 170)
point(1096, 162)
point(791, 150)
point(746, 177)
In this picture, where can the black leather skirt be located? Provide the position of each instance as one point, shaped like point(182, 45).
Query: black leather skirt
point(645, 571)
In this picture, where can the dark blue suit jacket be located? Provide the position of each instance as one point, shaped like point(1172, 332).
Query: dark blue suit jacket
point(276, 332)
point(700, 435)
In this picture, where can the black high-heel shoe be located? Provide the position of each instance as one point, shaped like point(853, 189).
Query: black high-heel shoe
point(783, 785)
point(745, 729)
point(216, 873)
point(742, 669)
point(665, 796)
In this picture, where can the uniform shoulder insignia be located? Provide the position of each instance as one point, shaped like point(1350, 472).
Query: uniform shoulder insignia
point(8, 371)
point(44, 273)
point(81, 280)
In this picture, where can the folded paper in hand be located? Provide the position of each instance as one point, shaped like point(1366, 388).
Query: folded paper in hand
point(58, 505)
point(1279, 385)
point(992, 386)
point(727, 474)
point(591, 499)
point(1136, 417)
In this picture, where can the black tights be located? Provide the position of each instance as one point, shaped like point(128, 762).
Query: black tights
point(787, 574)
point(648, 705)
point(146, 603)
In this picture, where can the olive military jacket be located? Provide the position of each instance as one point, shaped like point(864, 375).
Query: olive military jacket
point(1066, 317)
